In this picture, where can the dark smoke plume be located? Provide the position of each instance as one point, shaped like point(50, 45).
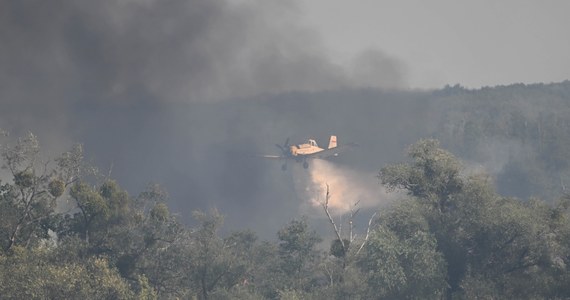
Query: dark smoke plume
point(76, 52)
point(182, 92)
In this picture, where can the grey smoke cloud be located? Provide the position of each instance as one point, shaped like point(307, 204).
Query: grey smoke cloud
point(182, 92)
point(57, 56)
point(375, 69)
point(62, 52)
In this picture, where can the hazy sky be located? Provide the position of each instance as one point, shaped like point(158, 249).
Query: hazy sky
point(474, 43)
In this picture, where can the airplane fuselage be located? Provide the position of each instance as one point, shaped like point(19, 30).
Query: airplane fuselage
point(304, 149)
point(303, 152)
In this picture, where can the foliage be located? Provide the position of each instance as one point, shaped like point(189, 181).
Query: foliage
point(452, 236)
point(401, 259)
point(499, 244)
point(211, 264)
point(26, 205)
point(33, 275)
point(523, 127)
point(298, 254)
point(433, 177)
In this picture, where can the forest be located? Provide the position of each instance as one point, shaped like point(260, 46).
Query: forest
point(481, 207)
point(67, 231)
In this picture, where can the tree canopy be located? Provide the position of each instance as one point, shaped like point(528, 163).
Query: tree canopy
point(451, 235)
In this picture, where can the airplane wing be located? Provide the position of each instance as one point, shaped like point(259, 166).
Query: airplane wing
point(327, 153)
point(272, 156)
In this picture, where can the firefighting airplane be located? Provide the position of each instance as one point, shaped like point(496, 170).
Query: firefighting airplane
point(309, 150)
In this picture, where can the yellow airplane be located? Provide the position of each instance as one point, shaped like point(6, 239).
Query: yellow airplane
point(309, 150)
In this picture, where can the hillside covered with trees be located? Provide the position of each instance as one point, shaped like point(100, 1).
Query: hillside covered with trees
point(520, 132)
point(68, 232)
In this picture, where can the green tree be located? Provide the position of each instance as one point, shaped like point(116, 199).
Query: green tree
point(501, 245)
point(433, 176)
point(153, 244)
point(139, 236)
point(212, 262)
point(27, 204)
point(33, 274)
point(401, 259)
point(299, 257)
point(93, 210)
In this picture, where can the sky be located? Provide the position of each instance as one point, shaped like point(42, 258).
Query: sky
point(472, 43)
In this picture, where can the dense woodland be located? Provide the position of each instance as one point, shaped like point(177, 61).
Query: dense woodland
point(68, 231)
point(452, 237)
point(524, 129)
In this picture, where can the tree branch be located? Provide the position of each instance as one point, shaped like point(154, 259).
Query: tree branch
point(367, 234)
point(325, 205)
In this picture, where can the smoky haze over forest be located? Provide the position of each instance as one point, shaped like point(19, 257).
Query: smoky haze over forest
point(186, 93)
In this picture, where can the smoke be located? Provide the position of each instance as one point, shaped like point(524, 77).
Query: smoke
point(348, 189)
point(59, 59)
point(64, 52)
point(180, 92)
point(373, 68)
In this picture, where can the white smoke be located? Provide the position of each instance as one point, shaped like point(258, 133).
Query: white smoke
point(347, 188)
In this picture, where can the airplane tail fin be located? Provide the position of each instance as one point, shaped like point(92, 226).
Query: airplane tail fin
point(332, 142)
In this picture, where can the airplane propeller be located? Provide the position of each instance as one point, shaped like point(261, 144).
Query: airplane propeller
point(284, 152)
point(284, 148)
